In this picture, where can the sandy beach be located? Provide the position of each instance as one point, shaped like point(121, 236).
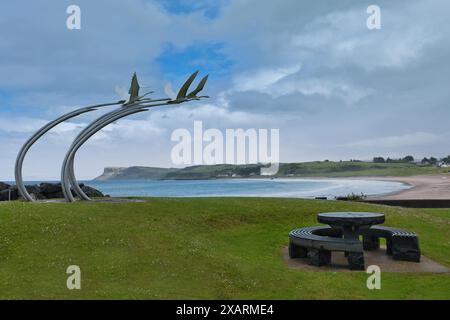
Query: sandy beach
point(436, 186)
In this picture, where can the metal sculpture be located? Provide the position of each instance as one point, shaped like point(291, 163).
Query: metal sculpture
point(134, 96)
point(42, 131)
point(136, 104)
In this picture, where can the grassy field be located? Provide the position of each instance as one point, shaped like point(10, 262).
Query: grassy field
point(194, 248)
point(350, 169)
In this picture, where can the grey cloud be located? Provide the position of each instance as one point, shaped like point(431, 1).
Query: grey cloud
point(354, 85)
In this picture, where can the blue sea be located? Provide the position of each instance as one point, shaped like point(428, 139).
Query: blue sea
point(295, 188)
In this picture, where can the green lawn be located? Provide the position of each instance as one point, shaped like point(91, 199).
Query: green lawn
point(206, 248)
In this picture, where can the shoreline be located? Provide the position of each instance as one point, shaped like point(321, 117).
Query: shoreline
point(416, 185)
point(423, 187)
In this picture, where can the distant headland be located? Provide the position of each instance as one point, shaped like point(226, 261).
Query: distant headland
point(352, 168)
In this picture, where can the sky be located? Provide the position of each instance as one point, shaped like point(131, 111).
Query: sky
point(312, 69)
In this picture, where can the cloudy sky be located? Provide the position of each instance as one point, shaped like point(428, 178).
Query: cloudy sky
point(334, 88)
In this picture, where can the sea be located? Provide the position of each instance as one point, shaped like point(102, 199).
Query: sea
point(279, 187)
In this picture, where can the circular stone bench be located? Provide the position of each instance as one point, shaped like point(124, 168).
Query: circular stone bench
point(317, 243)
point(401, 244)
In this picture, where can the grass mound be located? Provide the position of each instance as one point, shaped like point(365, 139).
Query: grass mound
point(205, 248)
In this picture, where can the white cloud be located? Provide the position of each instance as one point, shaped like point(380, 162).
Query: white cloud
point(328, 88)
point(311, 60)
point(341, 37)
point(31, 125)
point(262, 80)
point(401, 141)
point(284, 81)
point(121, 92)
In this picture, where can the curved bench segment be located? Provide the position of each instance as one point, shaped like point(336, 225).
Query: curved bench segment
point(324, 238)
point(401, 244)
point(317, 243)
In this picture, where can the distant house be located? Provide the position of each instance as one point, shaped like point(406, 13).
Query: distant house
point(442, 164)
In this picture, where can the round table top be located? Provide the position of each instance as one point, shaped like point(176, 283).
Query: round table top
point(350, 218)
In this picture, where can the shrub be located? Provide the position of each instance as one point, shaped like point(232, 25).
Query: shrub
point(356, 197)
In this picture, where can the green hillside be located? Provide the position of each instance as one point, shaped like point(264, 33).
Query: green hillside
point(352, 168)
point(302, 169)
point(134, 172)
point(195, 248)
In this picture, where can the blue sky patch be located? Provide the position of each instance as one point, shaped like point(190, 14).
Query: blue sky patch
point(204, 56)
point(210, 8)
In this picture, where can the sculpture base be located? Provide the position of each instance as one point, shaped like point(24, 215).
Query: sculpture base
point(339, 263)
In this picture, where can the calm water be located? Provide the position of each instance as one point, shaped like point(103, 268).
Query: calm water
point(298, 188)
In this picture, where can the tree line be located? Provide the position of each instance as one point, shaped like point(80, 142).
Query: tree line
point(410, 159)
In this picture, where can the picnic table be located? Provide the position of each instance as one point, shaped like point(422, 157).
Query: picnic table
point(343, 234)
point(351, 223)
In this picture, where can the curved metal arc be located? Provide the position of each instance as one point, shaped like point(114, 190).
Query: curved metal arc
point(67, 170)
point(89, 133)
point(71, 170)
point(36, 136)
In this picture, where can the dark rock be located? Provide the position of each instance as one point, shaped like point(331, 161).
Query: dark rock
point(35, 192)
point(9, 194)
point(91, 192)
point(4, 186)
point(49, 188)
point(56, 195)
point(45, 191)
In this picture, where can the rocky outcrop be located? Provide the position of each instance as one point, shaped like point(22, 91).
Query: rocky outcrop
point(4, 186)
point(9, 193)
point(43, 191)
point(134, 173)
point(92, 192)
point(110, 173)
